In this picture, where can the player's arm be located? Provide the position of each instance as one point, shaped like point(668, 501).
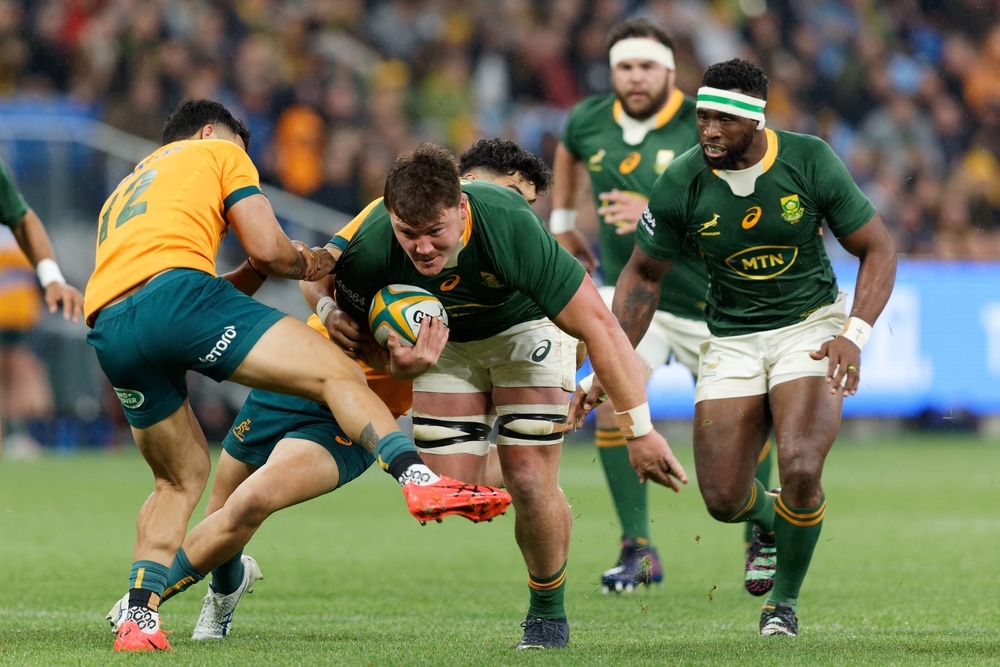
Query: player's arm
point(873, 245)
point(270, 250)
point(37, 247)
point(637, 294)
point(623, 375)
point(562, 220)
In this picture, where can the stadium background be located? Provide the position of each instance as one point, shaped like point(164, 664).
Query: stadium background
point(906, 91)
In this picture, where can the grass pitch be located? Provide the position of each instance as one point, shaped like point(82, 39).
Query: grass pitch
point(905, 572)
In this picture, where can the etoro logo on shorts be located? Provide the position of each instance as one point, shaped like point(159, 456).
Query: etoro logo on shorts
point(130, 398)
point(221, 345)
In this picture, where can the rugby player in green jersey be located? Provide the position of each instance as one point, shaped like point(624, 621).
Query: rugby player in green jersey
point(624, 140)
point(516, 301)
point(783, 352)
point(283, 450)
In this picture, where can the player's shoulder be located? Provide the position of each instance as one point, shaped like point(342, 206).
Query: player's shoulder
point(801, 146)
point(486, 193)
point(593, 106)
point(686, 166)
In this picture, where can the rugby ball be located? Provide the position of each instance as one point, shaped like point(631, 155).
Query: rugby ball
point(401, 308)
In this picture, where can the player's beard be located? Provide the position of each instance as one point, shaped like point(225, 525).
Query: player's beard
point(644, 110)
point(734, 153)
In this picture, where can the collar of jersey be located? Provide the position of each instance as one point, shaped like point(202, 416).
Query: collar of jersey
point(770, 155)
point(662, 117)
point(466, 235)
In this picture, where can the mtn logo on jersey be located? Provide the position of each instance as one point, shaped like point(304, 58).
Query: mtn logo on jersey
point(705, 226)
point(791, 209)
point(763, 262)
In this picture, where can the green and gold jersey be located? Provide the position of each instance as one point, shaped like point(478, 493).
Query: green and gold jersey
point(595, 136)
point(767, 264)
point(12, 204)
point(508, 269)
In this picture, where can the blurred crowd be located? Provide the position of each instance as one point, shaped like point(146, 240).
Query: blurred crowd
point(906, 91)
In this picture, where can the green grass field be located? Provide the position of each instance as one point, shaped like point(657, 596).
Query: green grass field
point(905, 573)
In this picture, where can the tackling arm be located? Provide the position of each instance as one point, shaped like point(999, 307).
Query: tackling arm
point(37, 247)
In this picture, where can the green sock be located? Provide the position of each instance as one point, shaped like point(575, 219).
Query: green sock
point(758, 509)
point(227, 577)
point(181, 575)
point(547, 595)
point(147, 575)
point(764, 466)
point(630, 497)
point(392, 447)
point(796, 532)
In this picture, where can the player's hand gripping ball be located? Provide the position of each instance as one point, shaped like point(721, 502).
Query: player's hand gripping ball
point(401, 308)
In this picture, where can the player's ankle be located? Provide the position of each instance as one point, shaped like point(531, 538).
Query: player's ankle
point(418, 473)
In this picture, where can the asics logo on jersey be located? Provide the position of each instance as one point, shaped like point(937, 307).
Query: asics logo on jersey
point(240, 430)
point(763, 262)
point(705, 226)
point(450, 284)
point(341, 440)
point(751, 218)
point(631, 161)
point(221, 345)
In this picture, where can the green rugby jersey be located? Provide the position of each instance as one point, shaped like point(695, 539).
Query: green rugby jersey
point(766, 261)
point(12, 204)
point(509, 269)
point(594, 136)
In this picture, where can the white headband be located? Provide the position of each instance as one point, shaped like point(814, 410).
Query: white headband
point(641, 48)
point(737, 104)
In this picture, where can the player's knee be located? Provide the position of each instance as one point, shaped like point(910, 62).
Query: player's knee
point(723, 503)
point(452, 435)
point(531, 424)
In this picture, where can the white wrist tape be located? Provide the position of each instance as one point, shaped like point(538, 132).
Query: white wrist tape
point(562, 220)
point(48, 272)
point(323, 308)
point(636, 422)
point(857, 331)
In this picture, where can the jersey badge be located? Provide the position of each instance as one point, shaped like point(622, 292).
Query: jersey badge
point(663, 159)
point(705, 226)
point(490, 280)
point(791, 209)
point(594, 163)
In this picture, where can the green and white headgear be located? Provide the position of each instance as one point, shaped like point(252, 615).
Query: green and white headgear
point(733, 103)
